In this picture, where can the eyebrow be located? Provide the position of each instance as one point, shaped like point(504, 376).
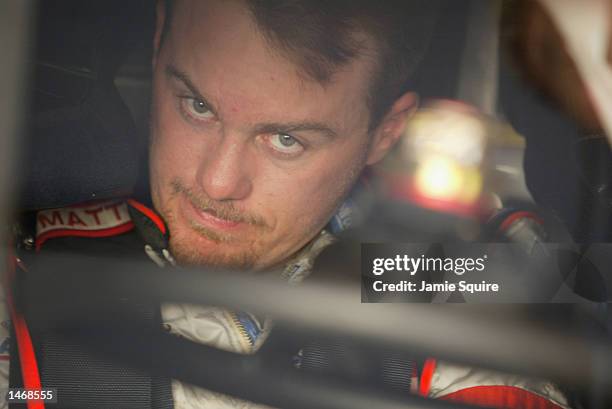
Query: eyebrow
point(305, 126)
point(288, 128)
point(174, 73)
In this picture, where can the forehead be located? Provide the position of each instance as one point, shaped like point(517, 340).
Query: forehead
point(217, 43)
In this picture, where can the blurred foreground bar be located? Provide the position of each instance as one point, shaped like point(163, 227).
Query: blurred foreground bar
point(70, 291)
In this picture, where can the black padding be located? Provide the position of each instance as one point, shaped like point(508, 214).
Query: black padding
point(80, 359)
point(81, 141)
point(81, 153)
point(84, 380)
point(70, 360)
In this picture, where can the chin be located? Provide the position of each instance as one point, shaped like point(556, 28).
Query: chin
point(192, 249)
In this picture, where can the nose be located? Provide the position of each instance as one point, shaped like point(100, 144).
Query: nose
point(223, 173)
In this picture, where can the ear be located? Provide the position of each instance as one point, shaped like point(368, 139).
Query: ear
point(392, 127)
point(159, 28)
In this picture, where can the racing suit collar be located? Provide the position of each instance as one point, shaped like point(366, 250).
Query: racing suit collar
point(149, 224)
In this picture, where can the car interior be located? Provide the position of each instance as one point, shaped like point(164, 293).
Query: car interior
point(79, 133)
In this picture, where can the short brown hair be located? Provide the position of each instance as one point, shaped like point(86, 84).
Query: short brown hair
point(319, 36)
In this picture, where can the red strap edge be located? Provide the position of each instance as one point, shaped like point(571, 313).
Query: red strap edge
point(429, 367)
point(149, 213)
point(501, 397)
point(111, 231)
point(519, 215)
point(27, 358)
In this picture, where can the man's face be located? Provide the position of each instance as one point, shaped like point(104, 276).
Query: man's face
point(249, 158)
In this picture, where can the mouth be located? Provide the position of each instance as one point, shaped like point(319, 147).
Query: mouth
point(208, 218)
